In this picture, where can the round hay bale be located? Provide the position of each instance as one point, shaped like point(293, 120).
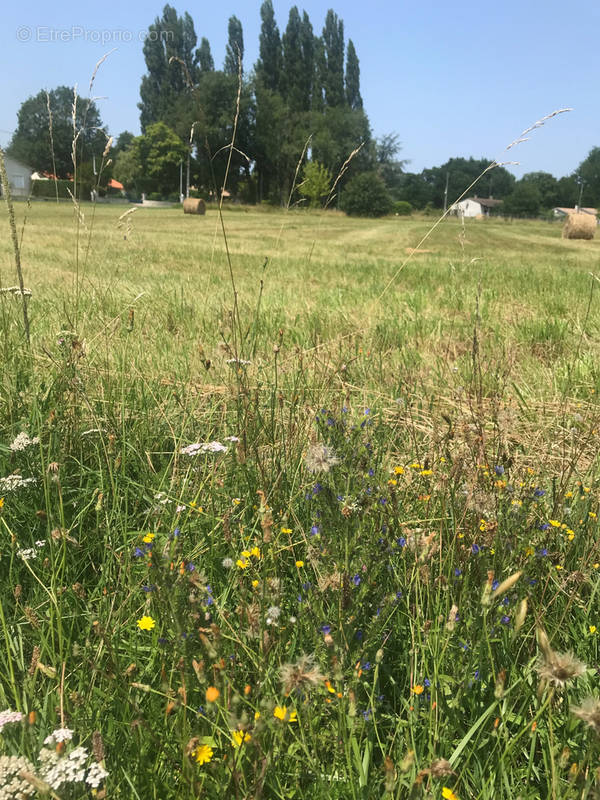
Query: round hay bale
point(193, 205)
point(580, 226)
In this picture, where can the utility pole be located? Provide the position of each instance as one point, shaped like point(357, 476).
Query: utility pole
point(181, 181)
point(446, 192)
point(187, 174)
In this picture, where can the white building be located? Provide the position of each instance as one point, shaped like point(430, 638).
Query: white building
point(19, 177)
point(562, 211)
point(475, 206)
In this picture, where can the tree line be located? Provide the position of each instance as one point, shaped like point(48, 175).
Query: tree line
point(296, 119)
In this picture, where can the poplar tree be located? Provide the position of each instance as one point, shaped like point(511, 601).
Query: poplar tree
point(333, 42)
point(204, 56)
point(353, 97)
point(234, 52)
point(268, 66)
point(165, 82)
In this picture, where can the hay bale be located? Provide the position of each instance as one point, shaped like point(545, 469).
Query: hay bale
point(580, 226)
point(192, 205)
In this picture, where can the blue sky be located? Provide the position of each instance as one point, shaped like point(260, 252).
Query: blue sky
point(452, 79)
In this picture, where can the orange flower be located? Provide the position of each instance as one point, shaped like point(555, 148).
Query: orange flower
point(212, 694)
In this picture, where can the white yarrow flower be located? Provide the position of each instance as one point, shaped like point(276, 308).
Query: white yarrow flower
point(22, 441)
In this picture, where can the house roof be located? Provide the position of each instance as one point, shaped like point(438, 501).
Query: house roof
point(115, 184)
point(565, 210)
point(486, 202)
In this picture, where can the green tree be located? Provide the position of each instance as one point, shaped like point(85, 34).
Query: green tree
point(366, 195)
point(567, 191)
point(170, 37)
point(234, 52)
point(353, 97)
point(588, 172)
point(31, 140)
point(389, 166)
point(414, 189)
point(459, 173)
point(523, 201)
point(268, 66)
point(151, 164)
point(547, 185)
point(333, 43)
point(204, 56)
point(316, 183)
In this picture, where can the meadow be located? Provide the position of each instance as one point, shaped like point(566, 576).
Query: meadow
point(296, 505)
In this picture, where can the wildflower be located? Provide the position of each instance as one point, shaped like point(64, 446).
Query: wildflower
point(15, 481)
point(398, 470)
point(593, 629)
point(242, 563)
point(146, 623)
point(227, 563)
point(448, 794)
point(203, 754)
point(326, 629)
point(148, 538)
point(320, 458)
point(11, 782)
point(589, 712)
point(284, 714)
point(255, 552)
point(255, 583)
point(559, 668)
point(203, 447)
point(299, 564)
point(27, 553)
point(212, 694)
point(301, 675)
point(554, 522)
point(286, 530)
point(59, 735)
point(9, 716)
point(273, 614)
point(238, 738)
point(418, 689)
point(22, 441)
point(499, 469)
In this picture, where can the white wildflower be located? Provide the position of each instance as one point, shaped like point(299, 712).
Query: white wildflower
point(12, 785)
point(227, 563)
point(203, 447)
point(273, 614)
point(239, 362)
point(8, 716)
point(96, 775)
point(22, 441)
point(15, 290)
point(232, 439)
point(15, 481)
point(59, 735)
point(27, 553)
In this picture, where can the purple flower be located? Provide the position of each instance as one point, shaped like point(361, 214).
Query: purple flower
point(138, 552)
point(325, 628)
point(401, 542)
point(495, 585)
point(505, 619)
point(474, 548)
point(457, 572)
point(314, 530)
point(190, 567)
point(539, 493)
point(544, 526)
point(356, 580)
point(499, 469)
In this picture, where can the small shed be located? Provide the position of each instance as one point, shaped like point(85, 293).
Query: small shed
point(475, 206)
point(19, 177)
point(563, 211)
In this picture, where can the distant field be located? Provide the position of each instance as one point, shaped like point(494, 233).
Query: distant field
point(306, 518)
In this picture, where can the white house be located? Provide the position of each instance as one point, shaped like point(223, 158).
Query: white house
point(474, 206)
point(562, 211)
point(19, 177)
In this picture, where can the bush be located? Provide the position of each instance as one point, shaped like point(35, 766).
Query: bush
point(366, 195)
point(402, 208)
point(48, 188)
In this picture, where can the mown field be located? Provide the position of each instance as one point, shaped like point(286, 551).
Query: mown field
point(377, 578)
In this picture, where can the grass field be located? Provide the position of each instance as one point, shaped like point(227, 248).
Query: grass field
point(315, 606)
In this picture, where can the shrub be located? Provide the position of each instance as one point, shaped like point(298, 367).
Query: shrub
point(402, 208)
point(366, 195)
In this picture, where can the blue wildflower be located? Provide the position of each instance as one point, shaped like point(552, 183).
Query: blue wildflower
point(499, 469)
point(356, 580)
point(325, 628)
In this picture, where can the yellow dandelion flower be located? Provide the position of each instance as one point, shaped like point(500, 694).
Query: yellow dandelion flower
point(286, 530)
point(568, 495)
point(1, 502)
point(284, 714)
point(398, 470)
point(299, 564)
point(554, 522)
point(203, 754)
point(255, 583)
point(255, 552)
point(596, 565)
point(558, 567)
point(529, 552)
point(242, 564)
point(448, 794)
point(238, 738)
point(146, 623)
point(418, 689)
point(570, 534)
point(245, 553)
point(148, 538)
point(426, 472)
point(257, 715)
point(392, 482)
point(593, 515)
point(593, 629)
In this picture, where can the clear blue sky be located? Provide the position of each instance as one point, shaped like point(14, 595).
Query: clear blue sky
point(452, 79)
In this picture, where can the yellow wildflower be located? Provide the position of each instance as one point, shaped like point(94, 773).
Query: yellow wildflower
point(255, 552)
point(146, 623)
point(284, 714)
point(554, 522)
point(203, 754)
point(286, 530)
point(448, 794)
point(238, 738)
point(299, 564)
point(148, 538)
point(212, 694)
point(593, 629)
point(418, 689)
point(242, 564)
point(398, 470)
